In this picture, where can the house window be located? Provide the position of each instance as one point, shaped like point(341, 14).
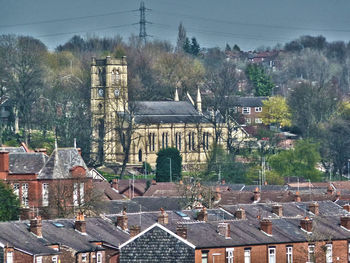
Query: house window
point(83, 258)
point(205, 140)
point(151, 137)
point(81, 192)
point(16, 189)
point(191, 141)
point(246, 110)
point(229, 255)
point(329, 253)
point(311, 254)
point(45, 193)
point(248, 120)
point(258, 109)
point(258, 120)
point(205, 256)
point(178, 140)
point(75, 194)
point(247, 255)
point(25, 195)
point(272, 255)
point(39, 259)
point(9, 257)
point(289, 254)
point(165, 140)
point(54, 259)
point(99, 257)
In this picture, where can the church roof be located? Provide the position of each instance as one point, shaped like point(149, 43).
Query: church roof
point(166, 112)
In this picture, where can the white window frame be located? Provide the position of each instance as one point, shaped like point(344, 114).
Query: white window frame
point(99, 257)
point(25, 202)
point(45, 194)
point(229, 255)
point(247, 255)
point(81, 192)
point(83, 257)
point(9, 257)
point(16, 189)
point(246, 110)
point(54, 259)
point(311, 251)
point(258, 120)
point(272, 255)
point(289, 252)
point(248, 120)
point(258, 109)
point(75, 194)
point(39, 259)
point(329, 253)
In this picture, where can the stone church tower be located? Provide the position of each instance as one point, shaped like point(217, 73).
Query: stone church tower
point(109, 95)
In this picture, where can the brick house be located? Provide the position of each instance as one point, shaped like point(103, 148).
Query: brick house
point(248, 109)
point(51, 184)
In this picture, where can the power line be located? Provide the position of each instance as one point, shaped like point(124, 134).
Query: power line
point(249, 24)
point(68, 19)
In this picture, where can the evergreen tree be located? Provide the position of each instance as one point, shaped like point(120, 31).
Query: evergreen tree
point(262, 83)
point(166, 158)
point(236, 48)
point(227, 48)
point(187, 46)
point(9, 204)
point(195, 48)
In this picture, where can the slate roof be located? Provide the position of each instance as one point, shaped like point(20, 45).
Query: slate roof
point(108, 193)
point(155, 203)
point(26, 163)
point(166, 112)
point(13, 149)
point(248, 101)
point(163, 189)
point(139, 184)
point(60, 162)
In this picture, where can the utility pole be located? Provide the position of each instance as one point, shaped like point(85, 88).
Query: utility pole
point(143, 35)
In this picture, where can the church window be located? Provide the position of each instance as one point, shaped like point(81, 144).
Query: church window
point(205, 140)
point(178, 140)
point(151, 139)
point(191, 141)
point(115, 76)
point(165, 140)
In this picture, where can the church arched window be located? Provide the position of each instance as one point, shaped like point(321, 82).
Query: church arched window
point(115, 75)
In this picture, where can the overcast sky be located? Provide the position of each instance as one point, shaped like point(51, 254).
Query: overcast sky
point(248, 23)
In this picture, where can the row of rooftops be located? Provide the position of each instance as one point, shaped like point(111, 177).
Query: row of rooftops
point(229, 226)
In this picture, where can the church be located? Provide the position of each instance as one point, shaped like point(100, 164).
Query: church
point(142, 128)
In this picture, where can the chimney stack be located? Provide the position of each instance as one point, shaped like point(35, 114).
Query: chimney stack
point(181, 230)
point(346, 207)
point(240, 213)
point(80, 223)
point(266, 226)
point(134, 230)
point(330, 190)
point(297, 197)
point(203, 215)
point(4, 164)
point(217, 197)
point(41, 150)
point(154, 182)
point(115, 184)
point(163, 217)
point(306, 224)
point(277, 210)
point(36, 226)
point(256, 194)
point(314, 208)
point(224, 230)
point(345, 222)
point(122, 221)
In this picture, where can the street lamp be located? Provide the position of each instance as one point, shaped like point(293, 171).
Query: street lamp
point(171, 177)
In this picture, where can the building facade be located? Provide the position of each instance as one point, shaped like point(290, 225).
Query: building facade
point(148, 125)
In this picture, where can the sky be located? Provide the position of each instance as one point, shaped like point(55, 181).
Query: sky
point(248, 23)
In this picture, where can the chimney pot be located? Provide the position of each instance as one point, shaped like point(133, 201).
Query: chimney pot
point(297, 197)
point(306, 224)
point(266, 226)
point(181, 230)
point(256, 194)
point(240, 213)
point(346, 207)
point(36, 226)
point(163, 217)
point(224, 230)
point(80, 223)
point(154, 182)
point(314, 208)
point(122, 221)
point(277, 209)
point(203, 215)
point(134, 230)
point(345, 222)
point(217, 194)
